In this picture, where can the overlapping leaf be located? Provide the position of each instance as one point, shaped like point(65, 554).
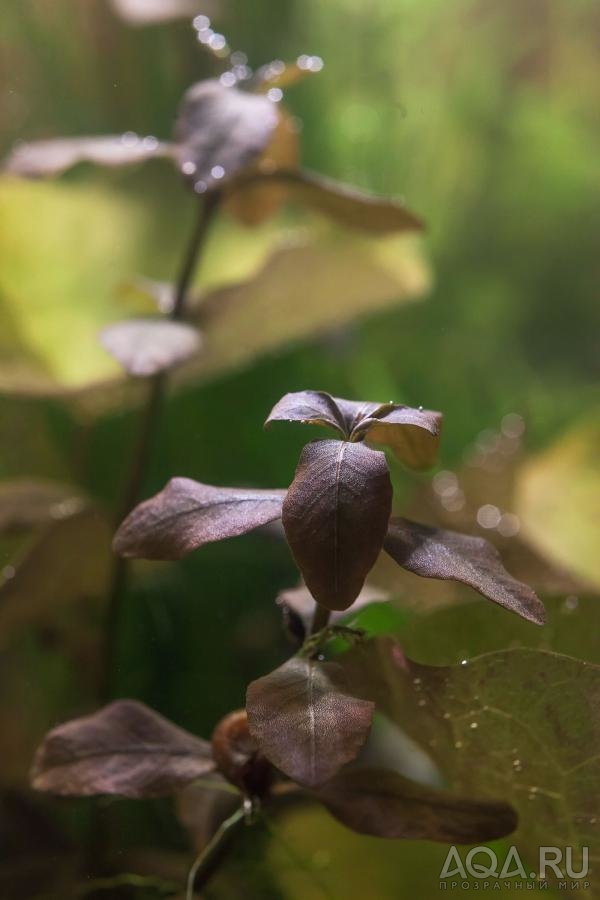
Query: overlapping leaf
point(413, 434)
point(385, 804)
point(335, 516)
point(537, 711)
point(187, 514)
point(345, 204)
point(125, 749)
point(436, 553)
point(46, 158)
point(147, 346)
point(305, 721)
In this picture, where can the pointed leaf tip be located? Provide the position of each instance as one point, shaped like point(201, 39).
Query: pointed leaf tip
point(186, 515)
point(125, 749)
point(448, 555)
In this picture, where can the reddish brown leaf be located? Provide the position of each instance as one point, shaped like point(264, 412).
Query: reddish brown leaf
point(147, 346)
point(124, 749)
point(221, 130)
point(448, 555)
point(335, 516)
point(385, 804)
point(310, 408)
point(187, 514)
point(305, 721)
point(45, 158)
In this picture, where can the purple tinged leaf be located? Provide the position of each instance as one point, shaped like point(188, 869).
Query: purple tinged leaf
point(335, 516)
point(187, 514)
point(413, 434)
point(126, 749)
point(385, 804)
point(145, 347)
point(448, 555)
point(305, 721)
point(310, 408)
point(40, 159)
point(220, 131)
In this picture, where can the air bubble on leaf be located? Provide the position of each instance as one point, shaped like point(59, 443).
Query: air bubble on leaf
point(217, 172)
point(488, 516)
point(242, 72)
point(205, 35)
point(513, 425)
point(275, 95)
point(238, 58)
point(464, 662)
point(150, 142)
point(228, 79)
point(188, 167)
point(130, 139)
point(474, 725)
point(200, 187)
point(509, 525)
point(217, 42)
point(201, 23)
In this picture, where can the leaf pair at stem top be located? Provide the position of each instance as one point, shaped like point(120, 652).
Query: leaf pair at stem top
point(336, 513)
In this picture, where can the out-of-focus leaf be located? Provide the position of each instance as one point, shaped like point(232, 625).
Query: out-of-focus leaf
point(187, 514)
point(383, 803)
point(68, 561)
point(305, 720)
point(434, 553)
point(557, 499)
point(45, 158)
point(221, 130)
point(299, 604)
point(413, 434)
point(125, 749)
point(253, 202)
point(149, 12)
point(518, 724)
point(310, 408)
point(305, 290)
point(27, 502)
point(279, 74)
point(342, 203)
point(335, 516)
point(147, 346)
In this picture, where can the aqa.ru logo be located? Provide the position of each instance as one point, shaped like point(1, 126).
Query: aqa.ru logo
point(482, 862)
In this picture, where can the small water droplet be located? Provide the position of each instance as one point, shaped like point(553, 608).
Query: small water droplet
point(188, 167)
point(474, 725)
point(238, 58)
point(200, 23)
point(422, 702)
point(571, 603)
point(489, 516)
point(446, 715)
point(275, 94)
point(150, 142)
point(416, 681)
point(217, 42)
point(200, 187)
point(129, 139)
point(458, 745)
point(8, 572)
point(464, 662)
point(228, 79)
point(420, 408)
point(217, 172)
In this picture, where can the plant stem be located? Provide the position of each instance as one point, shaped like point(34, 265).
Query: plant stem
point(210, 857)
point(320, 619)
point(148, 428)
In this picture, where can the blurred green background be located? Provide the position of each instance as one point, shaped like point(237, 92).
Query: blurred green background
point(483, 116)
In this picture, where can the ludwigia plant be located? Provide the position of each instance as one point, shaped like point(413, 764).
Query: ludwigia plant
point(307, 725)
